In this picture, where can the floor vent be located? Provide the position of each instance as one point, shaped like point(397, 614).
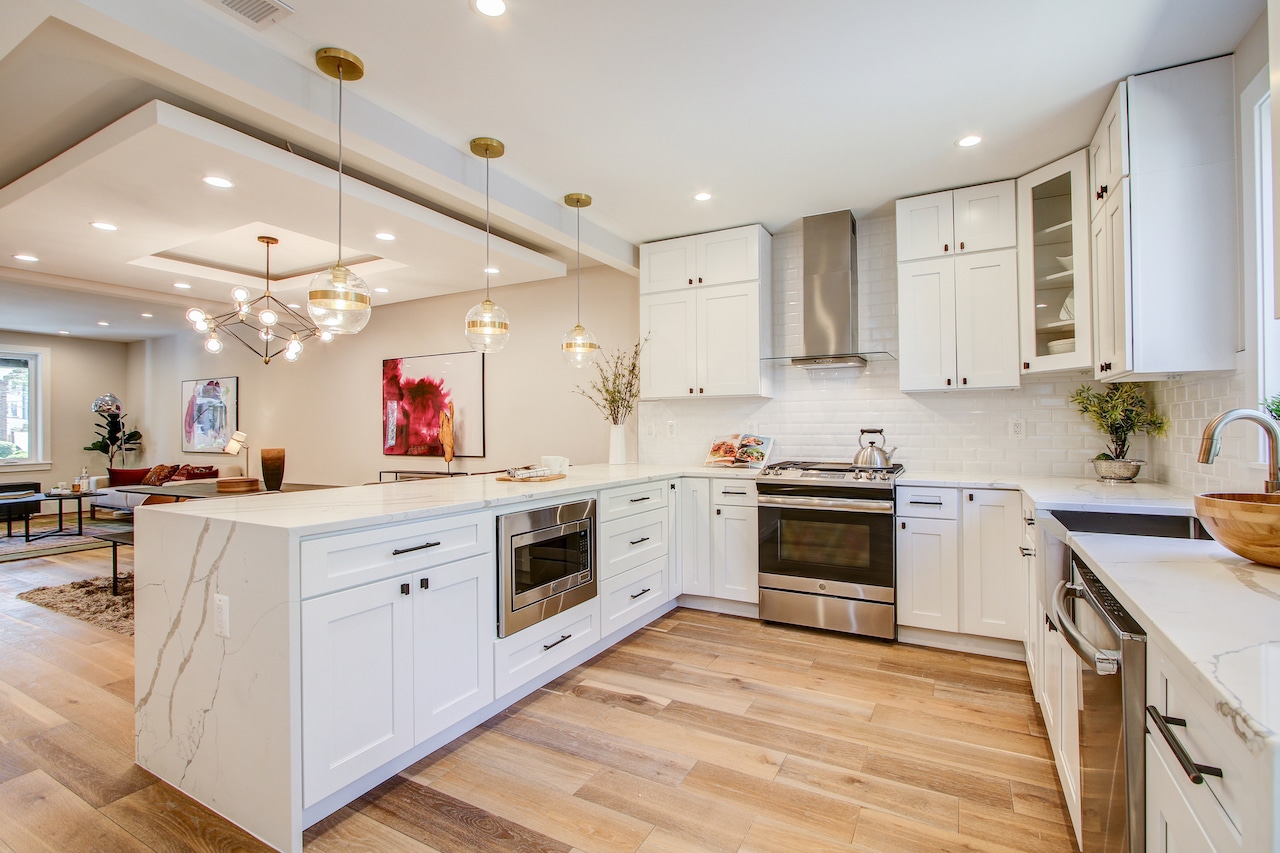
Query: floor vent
point(258, 13)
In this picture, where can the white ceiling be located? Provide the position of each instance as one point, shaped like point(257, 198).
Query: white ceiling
point(778, 109)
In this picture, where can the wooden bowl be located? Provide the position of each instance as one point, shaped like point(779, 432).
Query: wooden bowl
point(1245, 524)
point(238, 485)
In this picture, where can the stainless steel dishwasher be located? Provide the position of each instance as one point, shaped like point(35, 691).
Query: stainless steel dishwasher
point(1113, 647)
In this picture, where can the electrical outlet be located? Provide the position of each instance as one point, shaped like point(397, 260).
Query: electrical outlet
point(1018, 428)
point(221, 615)
point(650, 430)
point(671, 429)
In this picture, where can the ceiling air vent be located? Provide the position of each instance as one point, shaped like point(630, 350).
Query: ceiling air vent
point(260, 14)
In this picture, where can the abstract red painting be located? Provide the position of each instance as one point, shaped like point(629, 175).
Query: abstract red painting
point(415, 390)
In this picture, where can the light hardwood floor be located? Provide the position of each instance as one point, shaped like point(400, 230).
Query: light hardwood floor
point(699, 733)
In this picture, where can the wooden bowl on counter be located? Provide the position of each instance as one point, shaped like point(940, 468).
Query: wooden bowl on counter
point(1245, 524)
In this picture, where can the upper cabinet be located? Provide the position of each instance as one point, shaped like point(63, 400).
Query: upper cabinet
point(1054, 292)
point(971, 219)
point(958, 290)
point(1165, 252)
point(704, 314)
point(720, 257)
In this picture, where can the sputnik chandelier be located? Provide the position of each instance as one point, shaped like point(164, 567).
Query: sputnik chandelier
point(265, 325)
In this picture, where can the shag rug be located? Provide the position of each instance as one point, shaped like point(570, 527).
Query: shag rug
point(91, 601)
point(17, 548)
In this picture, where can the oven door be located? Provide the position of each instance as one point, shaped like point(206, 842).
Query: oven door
point(548, 562)
point(836, 545)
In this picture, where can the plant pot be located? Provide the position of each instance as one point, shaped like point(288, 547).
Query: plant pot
point(1117, 470)
point(617, 444)
point(272, 468)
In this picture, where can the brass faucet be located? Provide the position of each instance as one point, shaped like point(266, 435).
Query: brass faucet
point(1209, 446)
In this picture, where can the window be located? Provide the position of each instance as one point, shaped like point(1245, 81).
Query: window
point(24, 424)
point(1258, 361)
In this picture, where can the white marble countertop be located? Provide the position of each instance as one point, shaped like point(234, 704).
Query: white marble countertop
point(1220, 611)
point(1071, 493)
point(327, 510)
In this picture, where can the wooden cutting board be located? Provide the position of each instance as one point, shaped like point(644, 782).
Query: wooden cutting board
point(504, 479)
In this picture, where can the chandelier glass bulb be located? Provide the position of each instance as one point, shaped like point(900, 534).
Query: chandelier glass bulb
point(213, 345)
point(579, 347)
point(239, 294)
point(268, 317)
point(290, 355)
point(294, 346)
point(201, 325)
point(266, 334)
point(339, 301)
point(487, 327)
point(326, 336)
point(195, 315)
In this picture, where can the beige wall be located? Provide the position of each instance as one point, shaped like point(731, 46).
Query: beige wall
point(325, 409)
point(82, 370)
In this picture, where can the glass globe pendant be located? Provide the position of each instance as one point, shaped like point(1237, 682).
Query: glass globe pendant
point(339, 301)
point(578, 346)
point(487, 328)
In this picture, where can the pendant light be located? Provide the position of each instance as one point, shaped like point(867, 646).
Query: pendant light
point(578, 346)
point(487, 327)
point(339, 300)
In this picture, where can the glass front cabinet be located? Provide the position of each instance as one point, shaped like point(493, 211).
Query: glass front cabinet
point(1054, 290)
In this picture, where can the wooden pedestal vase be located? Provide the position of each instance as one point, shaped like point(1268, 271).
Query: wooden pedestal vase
point(272, 468)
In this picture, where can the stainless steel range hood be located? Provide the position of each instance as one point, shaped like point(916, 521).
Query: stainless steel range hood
point(830, 282)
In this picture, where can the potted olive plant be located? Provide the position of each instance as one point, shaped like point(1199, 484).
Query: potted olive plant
point(1119, 411)
point(614, 392)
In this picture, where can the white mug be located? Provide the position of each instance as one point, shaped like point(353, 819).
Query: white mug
point(556, 464)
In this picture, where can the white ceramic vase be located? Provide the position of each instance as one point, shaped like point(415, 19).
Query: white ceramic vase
point(617, 444)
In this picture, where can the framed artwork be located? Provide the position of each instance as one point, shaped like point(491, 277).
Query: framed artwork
point(417, 389)
point(210, 413)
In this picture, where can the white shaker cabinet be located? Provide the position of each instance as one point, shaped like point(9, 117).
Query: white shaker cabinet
point(706, 330)
point(1176, 215)
point(719, 539)
point(695, 536)
point(927, 542)
point(735, 558)
point(953, 222)
point(992, 569)
point(958, 322)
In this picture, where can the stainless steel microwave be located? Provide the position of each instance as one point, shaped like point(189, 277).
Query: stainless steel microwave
point(546, 563)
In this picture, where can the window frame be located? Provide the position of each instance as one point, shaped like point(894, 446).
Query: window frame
point(39, 419)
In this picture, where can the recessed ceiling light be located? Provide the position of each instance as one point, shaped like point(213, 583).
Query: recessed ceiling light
point(182, 285)
point(702, 197)
point(491, 270)
point(968, 141)
point(490, 8)
point(104, 226)
point(28, 258)
point(148, 315)
point(294, 305)
point(385, 235)
point(63, 332)
point(103, 323)
point(381, 290)
point(215, 181)
point(1042, 305)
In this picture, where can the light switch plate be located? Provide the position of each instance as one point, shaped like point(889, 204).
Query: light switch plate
point(221, 615)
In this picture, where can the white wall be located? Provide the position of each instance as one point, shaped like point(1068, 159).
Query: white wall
point(82, 370)
point(325, 409)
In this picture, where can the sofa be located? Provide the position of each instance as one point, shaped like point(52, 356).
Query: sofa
point(112, 499)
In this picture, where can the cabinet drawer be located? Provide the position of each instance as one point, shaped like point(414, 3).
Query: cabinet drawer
point(331, 563)
point(733, 492)
point(527, 654)
point(926, 502)
point(628, 542)
point(1222, 805)
point(630, 500)
point(631, 594)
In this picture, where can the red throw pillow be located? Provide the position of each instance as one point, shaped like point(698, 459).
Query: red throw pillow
point(159, 474)
point(126, 476)
point(195, 472)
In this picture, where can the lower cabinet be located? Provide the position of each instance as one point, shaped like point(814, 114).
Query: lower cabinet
point(695, 536)
point(1061, 710)
point(1172, 826)
point(630, 595)
point(735, 555)
point(719, 539)
point(928, 585)
point(993, 574)
point(527, 654)
point(389, 664)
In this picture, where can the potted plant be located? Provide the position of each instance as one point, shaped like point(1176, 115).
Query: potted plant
point(113, 435)
point(614, 392)
point(1119, 411)
point(1272, 407)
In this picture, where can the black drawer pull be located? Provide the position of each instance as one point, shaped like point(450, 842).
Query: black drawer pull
point(642, 592)
point(424, 583)
point(1195, 772)
point(727, 492)
point(915, 502)
point(641, 539)
point(404, 589)
point(398, 551)
point(557, 642)
point(1027, 552)
point(1031, 522)
point(638, 500)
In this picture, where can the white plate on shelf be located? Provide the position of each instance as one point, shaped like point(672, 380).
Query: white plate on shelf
point(1064, 345)
point(1067, 263)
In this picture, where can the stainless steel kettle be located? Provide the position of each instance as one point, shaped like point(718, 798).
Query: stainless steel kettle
point(870, 456)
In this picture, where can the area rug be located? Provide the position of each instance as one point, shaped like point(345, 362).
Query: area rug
point(91, 601)
point(17, 548)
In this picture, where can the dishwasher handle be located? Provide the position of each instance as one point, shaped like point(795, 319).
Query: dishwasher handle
point(1101, 661)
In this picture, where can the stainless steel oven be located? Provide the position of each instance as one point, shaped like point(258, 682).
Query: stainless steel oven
point(546, 563)
point(827, 550)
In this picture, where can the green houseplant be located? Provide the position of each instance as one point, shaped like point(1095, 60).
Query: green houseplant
point(1118, 412)
point(113, 436)
point(1272, 407)
point(614, 392)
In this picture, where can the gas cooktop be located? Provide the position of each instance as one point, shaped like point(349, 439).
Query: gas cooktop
point(831, 473)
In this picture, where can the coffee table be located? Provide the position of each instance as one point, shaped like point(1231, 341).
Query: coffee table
point(61, 498)
point(125, 537)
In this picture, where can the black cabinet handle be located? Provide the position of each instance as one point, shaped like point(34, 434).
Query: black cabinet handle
point(904, 525)
point(914, 502)
point(1026, 365)
point(946, 247)
point(727, 492)
point(638, 500)
point(404, 589)
point(964, 381)
point(970, 497)
point(948, 381)
point(557, 642)
point(717, 512)
point(1031, 522)
point(641, 539)
point(398, 551)
point(423, 583)
point(1195, 772)
point(642, 592)
point(1027, 552)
